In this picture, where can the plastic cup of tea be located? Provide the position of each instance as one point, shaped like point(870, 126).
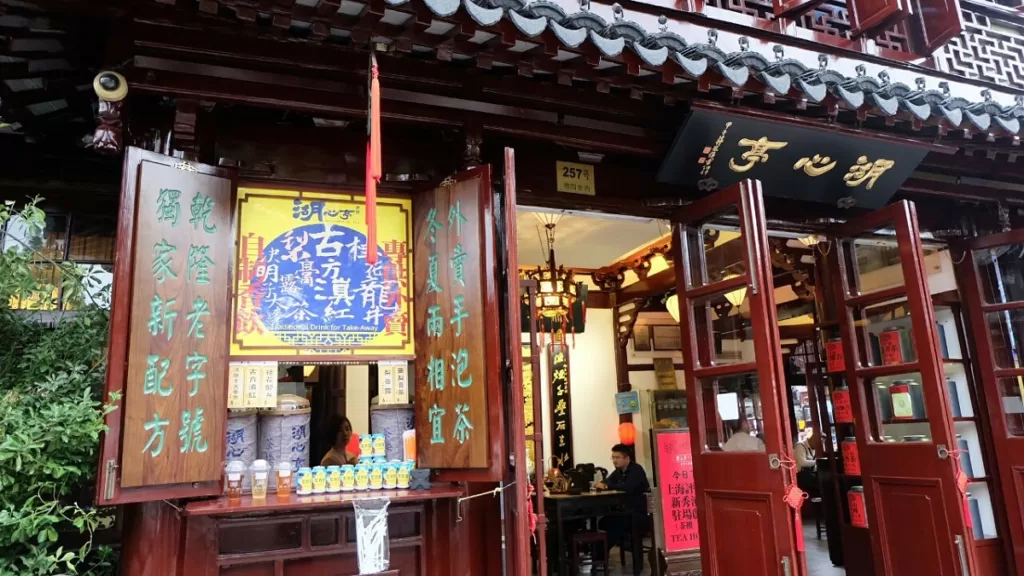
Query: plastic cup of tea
point(234, 472)
point(283, 473)
point(260, 479)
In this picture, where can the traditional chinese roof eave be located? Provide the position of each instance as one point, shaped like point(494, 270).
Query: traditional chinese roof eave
point(652, 48)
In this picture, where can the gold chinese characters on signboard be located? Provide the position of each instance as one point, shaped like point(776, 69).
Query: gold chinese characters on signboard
point(864, 170)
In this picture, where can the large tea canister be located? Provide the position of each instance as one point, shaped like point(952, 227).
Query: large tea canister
point(954, 398)
point(858, 507)
point(835, 361)
point(895, 346)
point(842, 407)
point(975, 509)
point(851, 458)
point(284, 432)
point(240, 441)
point(390, 423)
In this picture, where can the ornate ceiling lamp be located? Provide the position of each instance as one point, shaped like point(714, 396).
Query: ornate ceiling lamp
point(556, 287)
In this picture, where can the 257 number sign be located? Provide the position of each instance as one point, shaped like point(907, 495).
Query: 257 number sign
point(575, 178)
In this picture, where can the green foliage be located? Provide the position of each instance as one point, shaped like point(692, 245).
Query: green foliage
point(51, 415)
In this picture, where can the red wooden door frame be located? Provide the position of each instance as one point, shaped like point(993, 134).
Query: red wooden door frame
point(900, 475)
point(1008, 449)
point(738, 485)
point(517, 520)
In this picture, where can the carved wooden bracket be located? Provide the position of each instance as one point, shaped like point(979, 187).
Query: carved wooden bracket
point(472, 144)
point(186, 116)
point(609, 281)
point(107, 138)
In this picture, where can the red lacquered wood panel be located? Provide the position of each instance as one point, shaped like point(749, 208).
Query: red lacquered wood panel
point(404, 562)
point(740, 518)
point(740, 503)
point(936, 23)
point(517, 522)
point(989, 275)
point(867, 16)
point(991, 559)
point(150, 545)
point(263, 569)
point(916, 515)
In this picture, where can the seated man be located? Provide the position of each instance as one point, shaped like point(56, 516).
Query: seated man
point(628, 477)
point(741, 440)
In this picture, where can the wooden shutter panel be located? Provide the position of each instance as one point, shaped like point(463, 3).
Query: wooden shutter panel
point(793, 8)
point(166, 437)
point(867, 16)
point(936, 22)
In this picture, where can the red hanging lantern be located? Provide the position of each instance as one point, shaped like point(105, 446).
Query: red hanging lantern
point(627, 433)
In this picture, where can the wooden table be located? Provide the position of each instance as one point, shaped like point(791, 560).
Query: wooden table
point(561, 508)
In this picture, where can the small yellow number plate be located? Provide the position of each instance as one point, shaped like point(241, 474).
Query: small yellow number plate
point(575, 178)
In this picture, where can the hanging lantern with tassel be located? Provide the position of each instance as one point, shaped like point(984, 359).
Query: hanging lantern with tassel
point(556, 288)
point(374, 172)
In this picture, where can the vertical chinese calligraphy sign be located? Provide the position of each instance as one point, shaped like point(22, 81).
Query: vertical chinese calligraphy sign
point(561, 407)
point(302, 283)
point(456, 326)
point(678, 491)
point(169, 332)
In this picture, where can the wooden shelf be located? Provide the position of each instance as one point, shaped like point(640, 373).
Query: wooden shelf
point(978, 480)
point(966, 419)
point(906, 421)
point(222, 506)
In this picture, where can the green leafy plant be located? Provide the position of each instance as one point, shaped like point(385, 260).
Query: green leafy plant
point(52, 368)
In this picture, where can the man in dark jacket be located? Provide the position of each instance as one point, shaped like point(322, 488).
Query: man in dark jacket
point(628, 477)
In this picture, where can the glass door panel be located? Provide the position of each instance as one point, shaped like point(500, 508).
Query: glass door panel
point(900, 402)
point(730, 338)
point(992, 276)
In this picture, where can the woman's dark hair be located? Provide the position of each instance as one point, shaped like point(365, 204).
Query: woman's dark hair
point(333, 426)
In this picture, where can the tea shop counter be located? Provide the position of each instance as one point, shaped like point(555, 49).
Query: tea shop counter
point(294, 503)
point(317, 534)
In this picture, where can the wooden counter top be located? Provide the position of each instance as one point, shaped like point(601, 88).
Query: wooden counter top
point(221, 506)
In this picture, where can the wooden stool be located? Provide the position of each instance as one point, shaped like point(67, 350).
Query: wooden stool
point(593, 539)
point(816, 504)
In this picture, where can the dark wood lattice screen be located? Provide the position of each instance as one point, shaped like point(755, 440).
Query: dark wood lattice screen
point(988, 49)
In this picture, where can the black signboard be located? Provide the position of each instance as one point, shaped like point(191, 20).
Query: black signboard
point(715, 150)
point(561, 407)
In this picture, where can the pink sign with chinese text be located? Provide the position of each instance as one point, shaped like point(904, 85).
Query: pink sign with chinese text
point(678, 491)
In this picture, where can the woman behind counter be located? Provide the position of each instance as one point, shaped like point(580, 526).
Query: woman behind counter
point(337, 433)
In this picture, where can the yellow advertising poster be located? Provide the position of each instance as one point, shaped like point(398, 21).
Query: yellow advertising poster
point(302, 284)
